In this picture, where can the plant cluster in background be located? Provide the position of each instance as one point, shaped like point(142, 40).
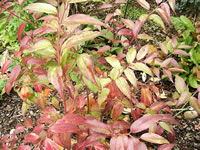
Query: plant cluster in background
point(100, 102)
point(189, 56)
point(192, 6)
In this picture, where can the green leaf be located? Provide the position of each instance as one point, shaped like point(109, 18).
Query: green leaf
point(25, 107)
point(42, 7)
point(157, 20)
point(122, 84)
point(195, 104)
point(165, 126)
point(103, 95)
point(142, 67)
point(90, 85)
point(176, 21)
point(42, 47)
point(193, 81)
point(187, 23)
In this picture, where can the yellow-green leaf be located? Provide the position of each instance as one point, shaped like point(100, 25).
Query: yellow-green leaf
point(103, 95)
point(131, 76)
point(114, 62)
point(42, 7)
point(130, 56)
point(157, 20)
point(122, 84)
point(142, 67)
point(165, 126)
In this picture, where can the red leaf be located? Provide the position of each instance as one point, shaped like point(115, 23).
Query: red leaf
point(137, 27)
point(74, 119)
point(20, 30)
point(147, 121)
point(14, 73)
point(5, 66)
point(32, 138)
point(19, 128)
point(38, 88)
point(50, 145)
point(20, 2)
point(136, 113)
point(125, 32)
point(28, 123)
point(166, 147)
point(157, 106)
point(117, 110)
point(38, 129)
point(24, 147)
point(64, 128)
point(81, 101)
point(10, 16)
point(146, 96)
point(104, 49)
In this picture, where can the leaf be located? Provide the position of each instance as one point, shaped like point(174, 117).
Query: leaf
point(105, 6)
point(180, 84)
point(64, 128)
point(43, 47)
point(163, 14)
point(135, 144)
point(142, 52)
point(164, 48)
point(28, 123)
point(168, 74)
point(166, 147)
point(131, 77)
point(24, 147)
point(82, 19)
point(144, 37)
point(123, 86)
point(180, 52)
point(13, 76)
point(85, 63)
point(157, 20)
point(75, 119)
point(195, 104)
point(51, 145)
point(25, 107)
point(119, 143)
point(131, 54)
point(42, 7)
point(117, 110)
point(5, 66)
point(187, 23)
point(104, 49)
point(137, 27)
point(185, 96)
point(32, 138)
point(153, 138)
point(20, 30)
point(114, 62)
point(128, 23)
point(142, 67)
point(55, 77)
point(193, 81)
point(147, 121)
point(144, 4)
point(146, 96)
point(103, 95)
point(172, 4)
point(165, 126)
point(78, 39)
point(90, 85)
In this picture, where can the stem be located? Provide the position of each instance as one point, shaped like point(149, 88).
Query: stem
point(88, 102)
point(18, 16)
point(125, 12)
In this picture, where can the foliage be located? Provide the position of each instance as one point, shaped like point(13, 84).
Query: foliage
point(49, 63)
point(9, 26)
point(188, 48)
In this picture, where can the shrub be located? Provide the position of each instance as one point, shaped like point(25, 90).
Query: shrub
point(111, 93)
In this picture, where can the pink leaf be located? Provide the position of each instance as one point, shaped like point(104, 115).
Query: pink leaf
point(20, 30)
point(147, 121)
point(50, 145)
point(176, 70)
point(158, 1)
point(117, 110)
point(180, 52)
point(163, 14)
point(24, 147)
point(64, 128)
point(172, 4)
point(128, 23)
point(20, 2)
point(142, 52)
point(185, 96)
point(38, 129)
point(153, 138)
point(19, 128)
point(146, 96)
point(104, 49)
point(119, 143)
point(105, 6)
point(174, 42)
point(120, 1)
point(137, 27)
point(28, 123)
point(157, 106)
point(166, 147)
point(166, 62)
point(35, 61)
point(135, 144)
point(125, 32)
point(168, 74)
point(144, 4)
point(75, 119)
point(5, 66)
point(184, 46)
point(32, 138)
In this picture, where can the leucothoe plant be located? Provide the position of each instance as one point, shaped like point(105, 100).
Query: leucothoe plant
point(95, 118)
